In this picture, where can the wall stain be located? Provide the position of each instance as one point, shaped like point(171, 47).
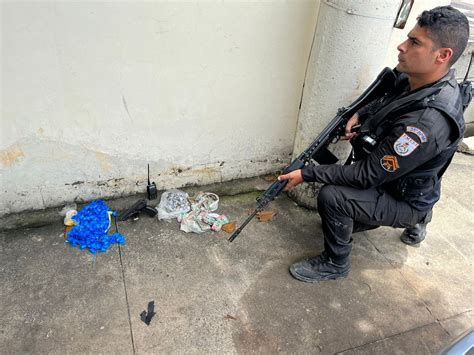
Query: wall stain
point(104, 161)
point(190, 171)
point(11, 155)
point(110, 182)
point(205, 171)
point(178, 170)
point(114, 182)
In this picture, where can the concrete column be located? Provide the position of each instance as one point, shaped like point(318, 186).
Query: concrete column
point(349, 48)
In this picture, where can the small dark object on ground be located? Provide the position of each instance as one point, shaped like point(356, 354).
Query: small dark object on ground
point(147, 316)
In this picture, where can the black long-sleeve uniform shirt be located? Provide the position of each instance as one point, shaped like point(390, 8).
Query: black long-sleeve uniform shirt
point(413, 139)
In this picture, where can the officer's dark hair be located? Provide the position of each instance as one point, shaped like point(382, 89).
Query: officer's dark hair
point(447, 27)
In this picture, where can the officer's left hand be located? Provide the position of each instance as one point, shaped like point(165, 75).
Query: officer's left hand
point(294, 178)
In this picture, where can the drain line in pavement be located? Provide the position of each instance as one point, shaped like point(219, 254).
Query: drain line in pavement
point(126, 299)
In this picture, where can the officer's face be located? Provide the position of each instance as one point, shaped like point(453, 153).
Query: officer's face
point(417, 54)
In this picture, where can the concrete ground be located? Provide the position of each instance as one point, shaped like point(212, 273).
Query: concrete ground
point(212, 296)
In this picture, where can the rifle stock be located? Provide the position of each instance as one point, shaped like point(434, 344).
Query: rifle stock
point(317, 150)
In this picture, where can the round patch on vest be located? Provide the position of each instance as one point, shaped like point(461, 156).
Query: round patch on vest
point(389, 163)
point(404, 145)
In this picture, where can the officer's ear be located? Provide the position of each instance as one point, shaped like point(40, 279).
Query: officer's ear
point(444, 55)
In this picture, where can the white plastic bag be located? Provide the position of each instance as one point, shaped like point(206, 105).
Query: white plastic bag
point(68, 221)
point(205, 201)
point(192, 222)
point(68, 212)
point(201, 218)
point(172, 204)
point(202, 221)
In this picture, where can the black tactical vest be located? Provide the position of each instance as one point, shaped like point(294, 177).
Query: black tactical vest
point(421, 186)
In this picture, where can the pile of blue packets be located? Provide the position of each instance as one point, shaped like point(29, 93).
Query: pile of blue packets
point(91, 226)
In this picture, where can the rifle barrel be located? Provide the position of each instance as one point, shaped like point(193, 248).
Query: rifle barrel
point(237, 232)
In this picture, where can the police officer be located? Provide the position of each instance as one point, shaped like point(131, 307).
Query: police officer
point(414, 131)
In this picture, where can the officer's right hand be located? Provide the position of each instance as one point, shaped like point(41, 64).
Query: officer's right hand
point(352, 122)
point(294, 178)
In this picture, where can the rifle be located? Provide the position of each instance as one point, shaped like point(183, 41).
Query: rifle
point(318, 150)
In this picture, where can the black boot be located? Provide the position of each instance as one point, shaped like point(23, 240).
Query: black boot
point(319, 268)
point(416, 234)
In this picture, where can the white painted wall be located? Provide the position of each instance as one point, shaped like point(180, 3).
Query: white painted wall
point(204, 91)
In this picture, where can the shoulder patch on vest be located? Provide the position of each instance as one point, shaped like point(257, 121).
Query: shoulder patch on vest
point(418, 132)
point(389, 163)
point(404, 145)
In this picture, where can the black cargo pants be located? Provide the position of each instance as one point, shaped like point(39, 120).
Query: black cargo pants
point(346, 210)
